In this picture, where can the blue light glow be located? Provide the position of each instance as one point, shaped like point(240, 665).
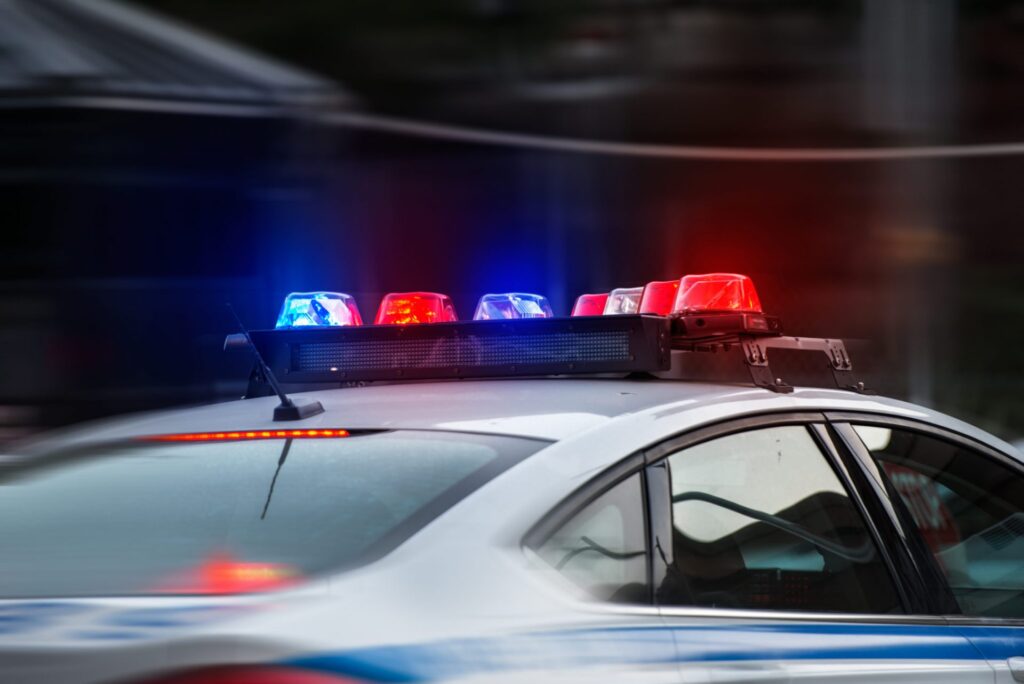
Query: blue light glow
point(512, 305)
point(318, 309)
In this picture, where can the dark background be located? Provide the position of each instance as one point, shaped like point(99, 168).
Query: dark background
point(141, 192)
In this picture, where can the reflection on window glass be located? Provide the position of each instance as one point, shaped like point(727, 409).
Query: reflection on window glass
point(227, 517)
point(762, 521)
point(602, 548)
point(969, 510)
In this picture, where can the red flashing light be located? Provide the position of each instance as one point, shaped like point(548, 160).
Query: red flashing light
point(659, 297)
point(246, 435)
point(411, 308)
point(590, 304)
point(717, 292)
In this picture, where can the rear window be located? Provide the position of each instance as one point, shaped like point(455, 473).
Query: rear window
point(202, 518)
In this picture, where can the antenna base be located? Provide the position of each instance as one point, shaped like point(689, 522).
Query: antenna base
point(297, 411)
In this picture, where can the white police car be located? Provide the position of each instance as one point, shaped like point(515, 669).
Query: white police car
point(608, 527)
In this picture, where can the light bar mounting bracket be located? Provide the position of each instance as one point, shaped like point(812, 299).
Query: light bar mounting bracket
point(755, 334)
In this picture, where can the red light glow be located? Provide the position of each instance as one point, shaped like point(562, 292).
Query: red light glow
point(411, 308)
point(590, 304)
point(246, 434)
point(659, 297)
point(222, 574)
point(717, 292)
point(250, 674)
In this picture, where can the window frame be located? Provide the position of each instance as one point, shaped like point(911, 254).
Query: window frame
point(890, 546)
point(585, 495)
point(920, 556)
point(817, 426)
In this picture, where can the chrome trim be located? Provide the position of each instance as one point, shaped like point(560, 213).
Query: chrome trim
point(620, 609)
point(791, 616)
point(763, 615)
point(978, 621)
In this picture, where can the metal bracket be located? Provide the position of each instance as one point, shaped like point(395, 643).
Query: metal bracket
point(755, 355)
point(755, 346)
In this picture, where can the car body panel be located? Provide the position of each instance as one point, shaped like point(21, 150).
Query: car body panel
point(505, 615)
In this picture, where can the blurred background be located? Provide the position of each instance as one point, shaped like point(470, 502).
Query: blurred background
point(161, 157)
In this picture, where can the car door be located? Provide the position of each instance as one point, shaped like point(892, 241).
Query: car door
point(965, 502)
point(769, 564)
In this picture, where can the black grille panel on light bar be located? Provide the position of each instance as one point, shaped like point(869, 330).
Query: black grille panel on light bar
point(612, 344)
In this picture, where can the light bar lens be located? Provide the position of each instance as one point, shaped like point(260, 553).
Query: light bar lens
point(590, 304)
point(318, 309)
point(512, 305)
point(412, 308)
point(717, 292)
point(624, 300)
point(659, 297)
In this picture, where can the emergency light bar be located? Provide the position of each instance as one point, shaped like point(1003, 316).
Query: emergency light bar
point(627, 331)
point(469, 349)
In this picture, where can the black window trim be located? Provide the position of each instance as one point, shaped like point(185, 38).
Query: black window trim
point(931, 592)
point(917, 547)
point(897, 561)
point(924, 427)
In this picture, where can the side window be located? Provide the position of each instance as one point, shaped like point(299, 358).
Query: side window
point(969, 510)
point(761, 521)
point(603, 548)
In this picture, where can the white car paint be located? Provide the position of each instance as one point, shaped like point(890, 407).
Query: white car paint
point(462, 599)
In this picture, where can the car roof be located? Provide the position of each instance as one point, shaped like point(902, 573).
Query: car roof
point(548, 409)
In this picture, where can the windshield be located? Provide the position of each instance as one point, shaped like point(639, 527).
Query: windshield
point(229, 517)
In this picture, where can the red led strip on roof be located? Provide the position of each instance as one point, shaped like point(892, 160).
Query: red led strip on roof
point(246, 435)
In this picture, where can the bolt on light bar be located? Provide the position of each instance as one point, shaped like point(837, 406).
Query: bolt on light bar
point(512, 305)
point(629, 330)
point(303, 309)
point(412, 308)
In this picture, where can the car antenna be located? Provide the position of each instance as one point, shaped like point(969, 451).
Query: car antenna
point(280, 462)
point(288, 409)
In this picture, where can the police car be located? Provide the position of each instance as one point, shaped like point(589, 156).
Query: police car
point(519, 498)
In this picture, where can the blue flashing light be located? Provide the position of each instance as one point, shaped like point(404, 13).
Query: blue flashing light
point(318, 309)
point(512, 305)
